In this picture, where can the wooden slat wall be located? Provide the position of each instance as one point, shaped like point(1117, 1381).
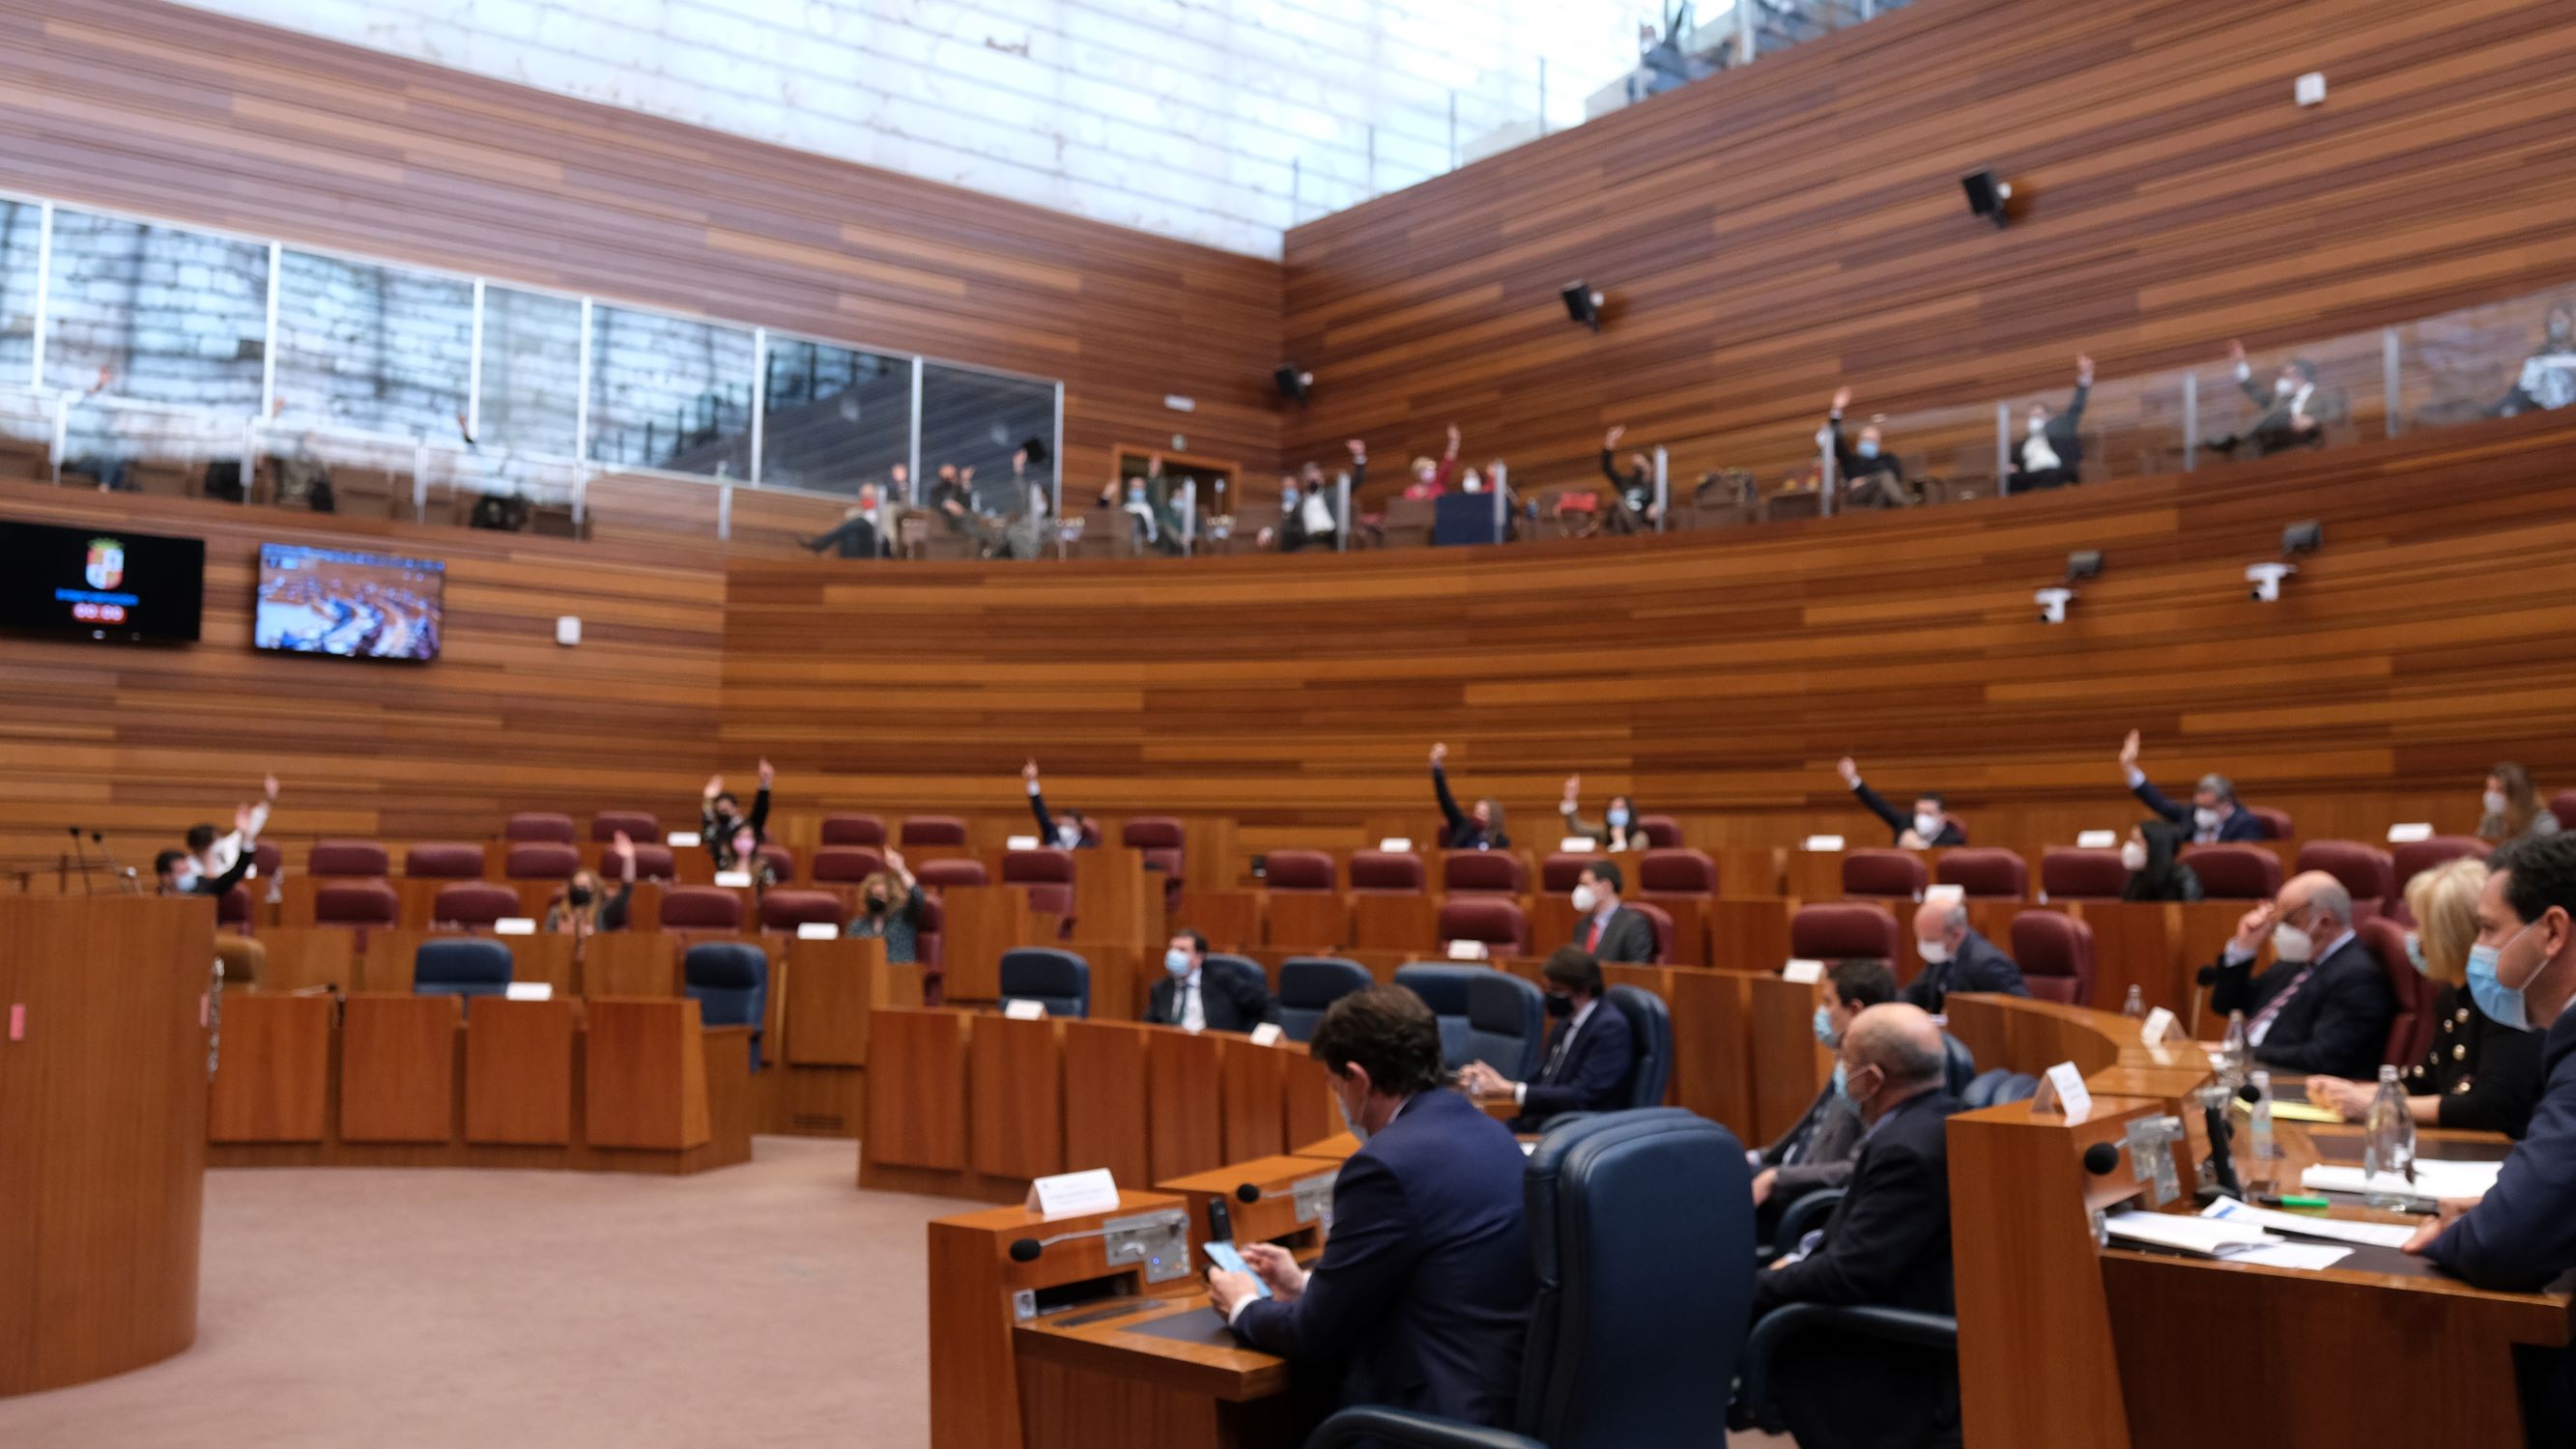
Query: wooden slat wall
point(1766, 234)
point(169, 112)
point(1720, 675)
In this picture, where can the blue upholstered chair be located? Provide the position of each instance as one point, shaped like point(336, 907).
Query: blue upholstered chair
point(1059, 979)
point(1653, 1028)
point(1598, 1370)
point(1506, 1023)
point(729, 980)
point(461, 966)
point(1309, 985)
point(1245, 968)
point(1958, 1065)
point(1443, 988)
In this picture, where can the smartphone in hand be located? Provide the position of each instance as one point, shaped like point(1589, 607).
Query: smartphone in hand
point(1224, 1256)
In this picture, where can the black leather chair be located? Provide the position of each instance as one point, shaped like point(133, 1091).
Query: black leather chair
point(729, 980)
point(1653, 1027)
point(1627, 1349)
point(1309, 985)
point(1058, 979)
point(461, 966)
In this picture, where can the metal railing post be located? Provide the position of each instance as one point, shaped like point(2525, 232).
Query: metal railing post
point(2190, 421)
point(1825, 480)
point(759, 401)
point(1502, 503)
point(1342, 519)
point(2003, 449)
point(1663, 489)
point(2388, 359)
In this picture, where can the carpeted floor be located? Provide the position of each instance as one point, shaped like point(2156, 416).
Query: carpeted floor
point(772, 1304)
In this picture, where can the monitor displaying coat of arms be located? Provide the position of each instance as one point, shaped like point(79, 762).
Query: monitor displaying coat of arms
point(101, 583)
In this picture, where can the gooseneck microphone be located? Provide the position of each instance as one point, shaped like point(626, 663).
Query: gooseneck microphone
point(1026, 1250)
point(88, 888)
point(2101, 1158)
point(123, 875)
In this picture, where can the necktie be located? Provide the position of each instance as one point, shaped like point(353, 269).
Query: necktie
point(1193, 1013)
point(2261, 1025)
point(1556, 1053)
point(1593, 941)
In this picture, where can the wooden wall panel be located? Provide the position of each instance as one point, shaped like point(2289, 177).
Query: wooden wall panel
point(1768, 233)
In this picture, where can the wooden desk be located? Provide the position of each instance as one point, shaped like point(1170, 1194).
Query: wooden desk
point(1394, 921)
point(979, 923)
point(1309, 923)
point(1232, 920)
point(1085, 1383)
point(1280, 1215)
point(1115, 898)
point(519, 1071)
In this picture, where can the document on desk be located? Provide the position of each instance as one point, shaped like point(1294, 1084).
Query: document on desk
point(2292, 1111)
point(2434, 1178)
point(2201, 1237)
point(2341, 1230)
point(2307, 1257)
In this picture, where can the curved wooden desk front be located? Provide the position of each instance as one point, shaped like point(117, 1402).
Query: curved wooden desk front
point(102, 1132)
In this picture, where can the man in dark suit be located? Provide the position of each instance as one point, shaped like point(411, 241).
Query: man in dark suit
point(1074, 832)
point(1604, 929)
point(1591, 1055)
point(1190, 995)
point(2214, 814)
point(1956, 958)
point(2522, 1234)
point(1871, 476)
point(2051, 454)
point(2324, 1005)
point(1817, 1153)
point(865, 530)
point(1887, 1245)
point(1929, 825)
point(2286, 414)
point(1422, 1298)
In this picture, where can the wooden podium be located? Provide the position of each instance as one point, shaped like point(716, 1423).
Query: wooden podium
point(103, 1037)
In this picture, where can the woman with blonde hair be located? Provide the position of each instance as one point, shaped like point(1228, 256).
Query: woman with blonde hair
point(2479, 1076)
point(2511, 807)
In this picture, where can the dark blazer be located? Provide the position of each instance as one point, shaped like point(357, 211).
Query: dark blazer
point(1593, 1074)
point(1818, 1152)
point(2240, 824)
point(217, 885)
point(1229, 1000)
point(899, 928)
point(2487, 1075)
point(2337, 1024)
point(1898, 822)
point(1046, 825)
point(1463, 834)
point(1851, 465)
point(2064, 434)
point(1887, 1245)
point(1423, 1294)
point(2273, 431)
point(854, 538)
point(1627, 936)
point(717, 830)
point(1977, 966)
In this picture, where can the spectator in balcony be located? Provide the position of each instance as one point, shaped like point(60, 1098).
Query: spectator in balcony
point(2156, 872)
point(1871, 477)
point(722, 824)
point(93, 448)
point(2285, 419)
point(1306, 505)
point(2213, 814)
point(865, 530)
point(1619, 827)
point(1928, 826)
point(2051, 452)
point(952, 497)
point(1478, 828)
point(2511, 807)
point(1430, 479)
point(1023, 531)
point(1631, 504)
point(890, 911)
point(2548, 376)
point(1074, 832)
point(585, 908)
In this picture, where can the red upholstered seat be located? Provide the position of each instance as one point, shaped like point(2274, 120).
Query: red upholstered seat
point(845, 864)
point(1482, 872)
point(2081, 875)
point(1495, 920)
point(452, 860)
point(473, 903)
point(1297, 870)
point(1386, 870)
point(2055, 953)
point(782, 862)
point(639, 825)
point(1662, 921)
point(351, 858)
point(652, 862)
point(1675, 871)
point(1986, 872)
point(1834, 930)
point(2563, 805)
point(1662, 832)
point(2234, 872)
point(356, 903)
point(1558, 873)
point(233, 909)
point(701, 908)
point(785, 910)
point(541, 860)
point(952, 873)
point(2416, 857)
point(2365, 870)
point(933, 830)
point(1048, 874)
point(2276, 823)
point(2410, 1036)
point(1162, 840)
point(854, 830)
point(267, 860)
point(538, 825)
point(1884, 875)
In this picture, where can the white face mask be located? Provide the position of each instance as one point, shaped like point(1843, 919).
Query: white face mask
point(1935, 953)
point(2283, 387)
point(1585, 900)
point(1927, 826)
point(2292, 944)
point(2204, 818)
point(2038, 426)
point(2494, 801)
point(1350, 1121)
point(2133, 855)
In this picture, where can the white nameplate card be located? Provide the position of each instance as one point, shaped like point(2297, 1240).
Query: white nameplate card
point(1267, 1034)
point(1946, 894)
point(1575, 845)
point(1803, 971)
point(2157, 1028)
point(2408, 834)
point(1466, 950)
point(1823, 842)
point(515, 926)
point(2074, 1099)
point(1068, 1193)
point(530, 991)
point(2096, 840)
point(737, 879)
point(1396, 844)
point(816, 931)
point(681, 839)
point(1022, 1010)
point(1020, 842)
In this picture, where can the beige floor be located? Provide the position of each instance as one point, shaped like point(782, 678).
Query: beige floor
point(772, 1305)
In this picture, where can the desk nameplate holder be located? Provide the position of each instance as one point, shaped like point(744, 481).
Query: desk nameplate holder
point(2150, 1143)
point(1314, 1197)
point(1157, 1242)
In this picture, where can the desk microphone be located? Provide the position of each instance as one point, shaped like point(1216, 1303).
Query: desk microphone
point(2101, 1158)
point(1026, 1250)
point(87, 887)
point(123, 875)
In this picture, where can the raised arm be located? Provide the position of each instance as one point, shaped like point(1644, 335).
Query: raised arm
point(1868, 797)
point(2083, 390)
point(1440, 787)
point(2144, 788)
point(1568, 808)
point(1037, 804)
point(760, 803)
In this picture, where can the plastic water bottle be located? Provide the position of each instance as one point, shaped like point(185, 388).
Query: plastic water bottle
point(2135, 1008)
point(2233, 1053)
point(2262, 1167)
point(2389, 1148)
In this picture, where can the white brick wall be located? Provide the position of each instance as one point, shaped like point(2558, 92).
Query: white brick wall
point(1216, 121)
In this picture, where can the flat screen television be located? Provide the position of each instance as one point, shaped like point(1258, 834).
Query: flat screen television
point(101, 583)
point(356, 605)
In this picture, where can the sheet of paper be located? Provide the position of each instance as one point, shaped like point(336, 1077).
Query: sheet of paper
point(2433, 1179)
point(2383, 1235)
point(2306, 1256)
point(2191, 1235)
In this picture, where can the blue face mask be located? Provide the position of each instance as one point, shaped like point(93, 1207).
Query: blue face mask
point(1826, 1035)
point(1867, 449)
point(2503, 1004)
point(2415, 954)
point(1618, 818)
point(1177, 962)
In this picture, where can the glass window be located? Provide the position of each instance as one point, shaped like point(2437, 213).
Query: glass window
point(375, 349)
point(832, 418)
point(531, 373)
point(666, 392)
point(21, 224)
point(163, 315)
point(978, 420)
